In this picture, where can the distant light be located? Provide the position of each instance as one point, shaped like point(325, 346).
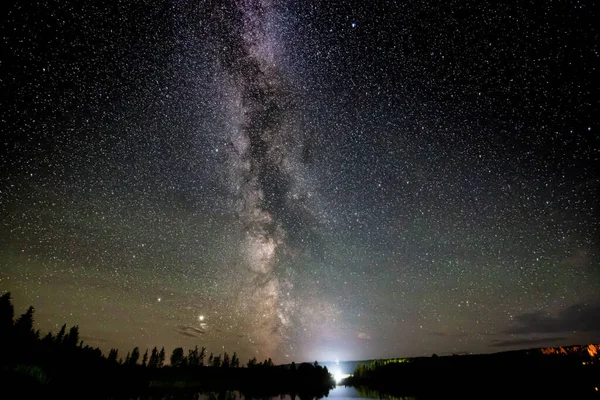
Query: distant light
point(353, 24)
point(338, 376)
point(159, 299)
point(201, 318)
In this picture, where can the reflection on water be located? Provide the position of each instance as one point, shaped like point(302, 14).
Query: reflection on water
point(339, 393)
point(342, 392)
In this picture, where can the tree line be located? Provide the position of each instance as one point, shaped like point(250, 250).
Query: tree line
point(63, 360)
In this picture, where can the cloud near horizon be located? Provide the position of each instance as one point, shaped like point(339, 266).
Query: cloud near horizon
point(525, 342)
point(582, 317)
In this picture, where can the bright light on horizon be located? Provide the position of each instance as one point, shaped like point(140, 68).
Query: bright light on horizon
point(338, 376)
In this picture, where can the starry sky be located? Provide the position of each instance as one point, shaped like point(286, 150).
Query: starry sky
point(303, 180)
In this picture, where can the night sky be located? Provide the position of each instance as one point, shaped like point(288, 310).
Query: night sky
point(303, 180)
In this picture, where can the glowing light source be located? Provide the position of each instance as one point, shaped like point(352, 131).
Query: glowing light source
point(201, 318)
point(338, 376)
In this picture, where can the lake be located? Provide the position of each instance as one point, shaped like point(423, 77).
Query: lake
point(339, 393)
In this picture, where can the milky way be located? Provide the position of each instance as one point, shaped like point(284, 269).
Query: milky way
point(302, 180)
point(261, 158)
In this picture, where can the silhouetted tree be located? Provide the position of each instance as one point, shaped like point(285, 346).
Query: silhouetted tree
point(226, 363)
point(7, 313)
point(24, 326)
point(48, 339)
point(72, 338)
point(192, 358)
point(177, 357)
point(210, 359)
point(293, 366)
point(216, 361)
point(161, 358)
point(113, 354)
point(252, 363)
point(201, 356)
point(61, 334)
point(127, 359)
point(235, 361)
point(135, 356)
point(145, 358)
point(153, 363)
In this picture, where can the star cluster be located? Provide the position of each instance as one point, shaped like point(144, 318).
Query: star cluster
point(303, 180)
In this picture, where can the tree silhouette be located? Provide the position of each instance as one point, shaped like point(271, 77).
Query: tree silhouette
point(161, 358)
point(135, 356)
point(216, 362)
point(193, 359)
point(201, 356)
point(72, 338)
point(48, 339)
point(252, 363)
point(177, 357)
point(61, 334)
point(153, 363)
point(70, 364)
point(24, 326)
point(226, 361)
point(7, 313)
point(235, 361)
point(145, 358)
point(113, 354)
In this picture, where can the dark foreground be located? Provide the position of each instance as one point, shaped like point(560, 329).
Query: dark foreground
point(167, 383)
point(61, 366)
point(565, 373)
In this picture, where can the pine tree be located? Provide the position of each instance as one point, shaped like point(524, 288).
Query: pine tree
point(48, 339)
point(201, 356)
point(113, 354)
point(72, 338)
point(177, 357)
point(161, 358)
point(226, 361)
point(145, 359)
point(193, 359)
point(153, 363)
point(24, 326)
point(235, 361)
point(61, 334)
point(7, 313)
point(216, 362)
point(135, 356)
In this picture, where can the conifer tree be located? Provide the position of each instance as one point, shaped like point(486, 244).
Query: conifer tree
point(135, 356)
point(145, 358)
point(153, 363)
point(161, 358)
